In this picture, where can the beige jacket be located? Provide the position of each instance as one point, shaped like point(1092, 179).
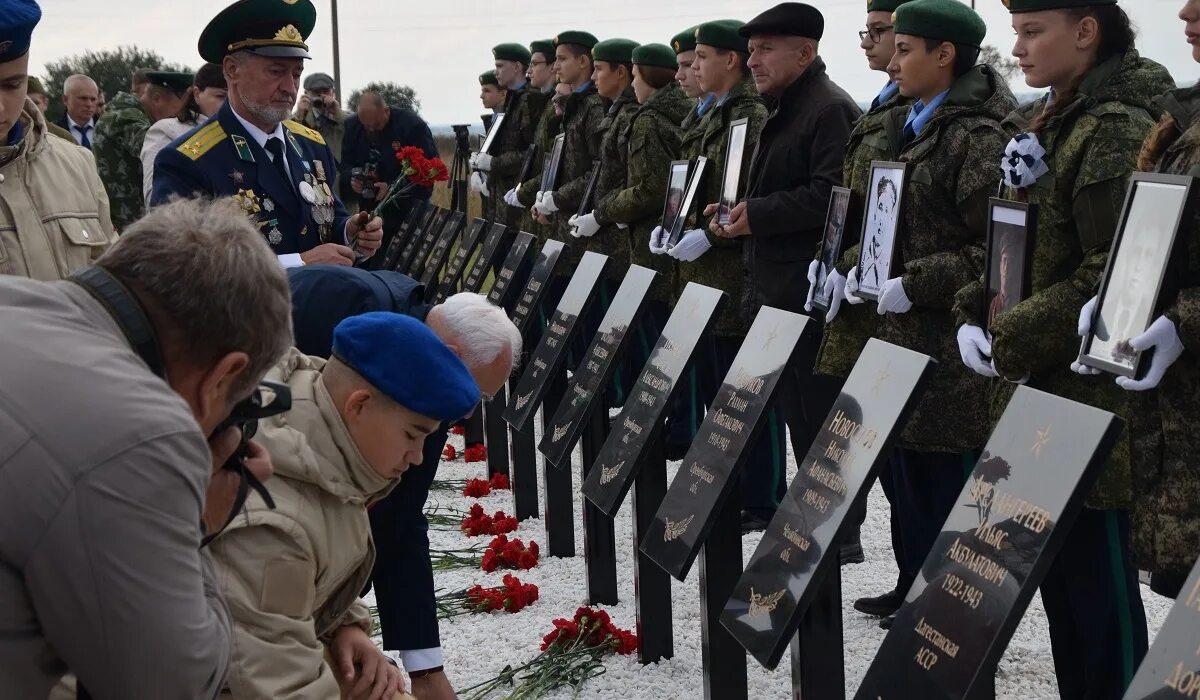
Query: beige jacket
point(292, 576)
point(54, 215)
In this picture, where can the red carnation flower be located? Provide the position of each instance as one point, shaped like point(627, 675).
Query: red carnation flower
point(500, 481)
point(477, 488)
point(449, 453)
point(475, 453)
point(458, 430)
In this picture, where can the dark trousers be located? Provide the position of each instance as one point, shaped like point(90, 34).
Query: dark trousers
point(888, 482)
point(403, 573)
point(1097, 622)
point(926, 486)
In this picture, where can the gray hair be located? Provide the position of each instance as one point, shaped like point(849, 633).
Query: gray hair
point(79, 79)
point(480, 329)
point(206, 274)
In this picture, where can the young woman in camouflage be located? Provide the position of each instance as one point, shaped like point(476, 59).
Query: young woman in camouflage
point(1082, 140)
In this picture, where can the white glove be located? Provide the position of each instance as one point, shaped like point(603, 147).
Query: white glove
point(623, 227)
point(835, 289)
point(689, 248)
point(1085, 327)
point(478, 184)
point(481, 161)
point(892, 298)
point(976, 351)
point(813, 268)
point(850, 291)
point(1164, 338)
point(658, 241)
point(510, 198)
point(545, 204)
point(584, 226)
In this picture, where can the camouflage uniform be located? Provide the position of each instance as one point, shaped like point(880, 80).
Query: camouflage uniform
point(519, 132)
point(847, 335)
point(721, 267)
point(547, 127)
point(611, 240)
point(583, 115)
point(1166, 485)
point(118, 149)
point(1091, 147)
point(647, 145)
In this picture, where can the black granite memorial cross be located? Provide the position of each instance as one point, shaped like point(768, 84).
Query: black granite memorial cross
point(458, 261)
point(441, 250)
point(1172, 668)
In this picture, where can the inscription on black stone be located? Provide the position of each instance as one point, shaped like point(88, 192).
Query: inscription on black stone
point(458, 261)
point(992, 553)
point(489, 255)
point(424, 243)
point(615, 469)
point(416, 237)
point(408, 229)
point(535, 287)
point(502, 286)
point(705, 479)
point(1172, 668)
point(441, 249)
point(598, 365)
point(797, 550)
point(548, 358)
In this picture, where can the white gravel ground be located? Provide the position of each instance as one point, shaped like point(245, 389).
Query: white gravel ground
point(479, 646)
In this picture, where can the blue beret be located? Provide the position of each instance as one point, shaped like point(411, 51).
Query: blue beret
point(17, 20)
point(401, 357)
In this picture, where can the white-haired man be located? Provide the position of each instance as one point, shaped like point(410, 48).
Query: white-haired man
point(80, 96)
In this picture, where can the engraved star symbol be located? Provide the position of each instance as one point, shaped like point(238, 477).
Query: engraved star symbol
point(1043, 437)
point(884, 375)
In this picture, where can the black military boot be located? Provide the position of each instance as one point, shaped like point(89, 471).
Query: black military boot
point(880, 606)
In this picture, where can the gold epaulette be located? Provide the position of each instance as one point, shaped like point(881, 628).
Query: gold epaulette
point(300, 130)
point(203, 140)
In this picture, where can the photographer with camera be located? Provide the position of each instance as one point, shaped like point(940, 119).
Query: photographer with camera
point(113, 385)
point(319, 110)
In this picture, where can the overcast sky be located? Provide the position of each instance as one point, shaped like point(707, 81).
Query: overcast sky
point(439, 47)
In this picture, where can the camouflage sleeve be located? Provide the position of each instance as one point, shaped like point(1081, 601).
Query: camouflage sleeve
point(569, 194)
point(508, 164)
point(1185, 314)
point(650, 151)
point(968, 304)
point(933, 281)
point(849, 259)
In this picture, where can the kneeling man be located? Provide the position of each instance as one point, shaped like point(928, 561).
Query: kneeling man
point(292, 574)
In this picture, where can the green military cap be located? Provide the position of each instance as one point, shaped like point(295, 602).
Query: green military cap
point(1018, 6)
point(945, 20)
point(884, 5)
point(177, 83)
point(489, 78)
point(577, 38)
point(684, 41)
point(614, 51)
point(511, 52)
point(273, 28)
point(723, 34)
point(655, 55)
point(543, 46)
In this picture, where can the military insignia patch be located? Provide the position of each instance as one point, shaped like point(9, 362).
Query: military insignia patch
point(203, 140)
point(248, 201)
point(289, 33)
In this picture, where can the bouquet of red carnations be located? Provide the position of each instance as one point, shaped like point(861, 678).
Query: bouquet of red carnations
point(503, 553)
point(479, 522)
point(513, 596)
point(416, 170)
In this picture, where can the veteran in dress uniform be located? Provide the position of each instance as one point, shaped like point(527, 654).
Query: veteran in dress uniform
point(279, 171)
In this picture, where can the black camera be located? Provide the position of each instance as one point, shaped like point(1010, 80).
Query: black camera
point(462, 138)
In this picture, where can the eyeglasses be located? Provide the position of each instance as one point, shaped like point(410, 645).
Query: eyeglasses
point(876, 33)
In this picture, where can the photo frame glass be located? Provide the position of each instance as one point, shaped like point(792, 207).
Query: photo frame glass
point(831, 243)
point(1009, 257)
point(553, 162)
point(689, 198)
point(677, 180)
point(488, 140)
point(587, 203)
point(881, 222)
point(1155, 205)
point(735, 150)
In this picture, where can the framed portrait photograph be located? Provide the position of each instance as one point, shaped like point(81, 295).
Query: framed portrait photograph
point(553, 164)
point(531, 155)
point(486, 146)
point(677, 178)
point(831, 243)
point(881, 221)
point(735, 149)
point(589, 193)
point(1008, 271)
point(1156, 206)
point(689, 198)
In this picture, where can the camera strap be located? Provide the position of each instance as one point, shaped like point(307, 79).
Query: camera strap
point(123, 306)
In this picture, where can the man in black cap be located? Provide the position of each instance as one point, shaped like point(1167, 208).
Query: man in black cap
point(797, 163)
point(319, 109)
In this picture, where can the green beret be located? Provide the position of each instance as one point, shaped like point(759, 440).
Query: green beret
point(511, 52)
point(35, 87)
point(177, 83)
point(723, 34)
point(1018, 6)
point(684, 41)
point(489, 78)
point(266, 27)
point(659, 55)
point(614, 51)
point(577, 38)
point(944, 20)
point(543, 46)
point(884, 5)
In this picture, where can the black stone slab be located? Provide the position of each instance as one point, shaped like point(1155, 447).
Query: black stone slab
point(994, 549)
point(441, 249)
point(535, 287)
point(416, 215)
point(620, 457)
point(412, 241)
point(599, 530)
point(513, 273)
point(489, 257)
point(416, 267)
point(710, 468)
point(458, 261)
point(800, 546)
point(1172, 668)
point(419, 245)
point(551, 353)
point(586, 388)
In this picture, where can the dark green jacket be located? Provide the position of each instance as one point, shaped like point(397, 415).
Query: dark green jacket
point(1163, 423)
point(117, 145)
point(953, 168)
point(611, 240)
point(547, 128)
point(583, 114)
point(721, 267)
point(647, 145)
point(522, 112)
point(848, 333)
point(1091, 146)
